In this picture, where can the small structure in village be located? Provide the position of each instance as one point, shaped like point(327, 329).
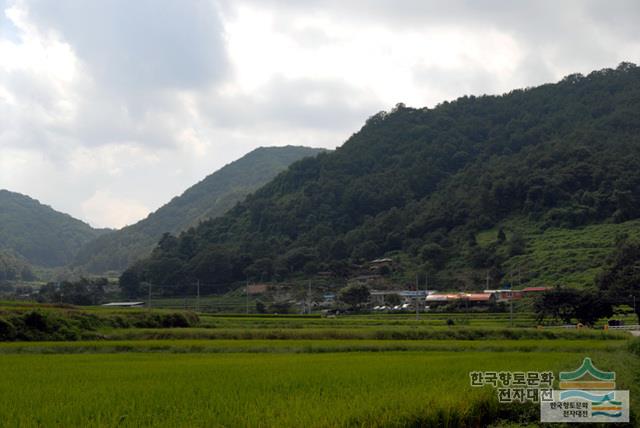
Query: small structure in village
point(124, 304)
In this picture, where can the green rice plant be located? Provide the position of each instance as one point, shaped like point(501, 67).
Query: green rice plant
point(311, 346)
point(363, 333)
point(259, 390)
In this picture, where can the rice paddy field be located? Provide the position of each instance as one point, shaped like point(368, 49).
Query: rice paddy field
point(252, 371)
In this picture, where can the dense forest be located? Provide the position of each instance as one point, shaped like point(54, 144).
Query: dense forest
point(14, 268)
point(209, 198)
point(38, 233)
point(421, 183)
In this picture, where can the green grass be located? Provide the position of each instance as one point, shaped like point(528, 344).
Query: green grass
point(360, 333)
point(288, 371)
point(335, 389)
point(310, 346)
point(559, 255)
point(234, 301)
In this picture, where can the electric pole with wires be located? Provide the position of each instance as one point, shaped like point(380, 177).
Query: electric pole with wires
point(198, 295)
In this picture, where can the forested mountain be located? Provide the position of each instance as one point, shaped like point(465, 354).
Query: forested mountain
point(14, 268)
point(209, 198)
point(421, 184)
point(38, 233)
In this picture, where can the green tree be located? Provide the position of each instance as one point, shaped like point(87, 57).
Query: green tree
point(566, 304)
point(433, 254)
point(620, 280)
point(339, 250)
point(81, 292)
point(355, 296)
point(365, 251)
point(517, 245)
point(393, 299)
point(559, 304)
point(130, 281)
point(592, 306)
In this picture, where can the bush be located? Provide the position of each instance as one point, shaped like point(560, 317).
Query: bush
point(7, 330)
point(161, 320)
point(75, 325)
point(36, 321)
point(176, 320)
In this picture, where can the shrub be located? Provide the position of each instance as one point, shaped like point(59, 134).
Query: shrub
point(7, 330)
point(36, 321)
point(164, 320)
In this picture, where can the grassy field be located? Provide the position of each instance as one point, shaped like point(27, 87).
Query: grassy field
point(267, 389)
point(285, 371)
point(310, 346)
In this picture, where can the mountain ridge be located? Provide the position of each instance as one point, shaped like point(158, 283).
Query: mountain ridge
point(39, 233)
point(425, 182)
point(208, 198)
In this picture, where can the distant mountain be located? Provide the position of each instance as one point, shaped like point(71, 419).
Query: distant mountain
point(207, 199)
point(38, 233)
point(422, 185)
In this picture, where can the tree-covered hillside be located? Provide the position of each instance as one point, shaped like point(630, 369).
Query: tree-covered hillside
point(420, 184)
point(209, 198)
point(14, 268)
point(38, 233)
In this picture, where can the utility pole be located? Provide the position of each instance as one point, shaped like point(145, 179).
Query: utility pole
point(309, 297)
point(198, 296)
point(466, 300)
point(149, 299)
point(511, 308)
point(426, 291)
point(246, 294)
point(511, 298)
point(487, 286)
point(417, 299)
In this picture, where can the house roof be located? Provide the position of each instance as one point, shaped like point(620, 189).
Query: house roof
point(443, 297)
point(478, 297)
point(124, 304)
point(472, 297)
point(534, 289)
point(385, 260)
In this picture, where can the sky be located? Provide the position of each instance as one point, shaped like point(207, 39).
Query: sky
point(109, 108)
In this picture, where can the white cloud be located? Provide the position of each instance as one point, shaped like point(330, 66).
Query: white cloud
point(108, 210)
point(126, 104)
point(140, 45)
